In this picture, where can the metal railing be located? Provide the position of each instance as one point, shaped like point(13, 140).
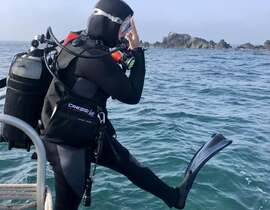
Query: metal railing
point(28, 191)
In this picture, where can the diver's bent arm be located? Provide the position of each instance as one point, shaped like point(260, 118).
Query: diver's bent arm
point(137, 73)
point(110, 78)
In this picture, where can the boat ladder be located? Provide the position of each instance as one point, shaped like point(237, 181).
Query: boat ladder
point(37, 192)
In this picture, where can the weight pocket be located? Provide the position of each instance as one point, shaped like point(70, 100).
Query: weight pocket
point(72, 128)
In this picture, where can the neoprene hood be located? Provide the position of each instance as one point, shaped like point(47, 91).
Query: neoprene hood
point(103, 28)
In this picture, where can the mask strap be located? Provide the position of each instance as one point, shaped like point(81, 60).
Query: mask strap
point(109, 16)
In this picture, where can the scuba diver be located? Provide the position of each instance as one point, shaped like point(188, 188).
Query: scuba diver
point(76, 129)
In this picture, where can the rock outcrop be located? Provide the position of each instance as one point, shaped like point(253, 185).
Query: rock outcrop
point(223, 45)
point(267, 45)
point(174, 40)
point(246, 46)
point(249, 46)
point(199, 43)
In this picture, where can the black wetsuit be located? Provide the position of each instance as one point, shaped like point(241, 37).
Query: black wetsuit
point(72, 165)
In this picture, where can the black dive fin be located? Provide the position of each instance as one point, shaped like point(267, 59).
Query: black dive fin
point(206, 152)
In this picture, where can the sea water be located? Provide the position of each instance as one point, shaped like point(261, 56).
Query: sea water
point(189, 94)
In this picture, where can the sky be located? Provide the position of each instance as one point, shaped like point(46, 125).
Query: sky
point(236, 21)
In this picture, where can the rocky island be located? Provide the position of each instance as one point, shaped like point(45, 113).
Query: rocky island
point(175, 40)
point(253, 47)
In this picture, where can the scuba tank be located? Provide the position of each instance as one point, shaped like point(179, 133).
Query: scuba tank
point(27, 84)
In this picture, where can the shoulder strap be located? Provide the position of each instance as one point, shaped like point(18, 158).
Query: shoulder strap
point(64, 58)
point(82, 45)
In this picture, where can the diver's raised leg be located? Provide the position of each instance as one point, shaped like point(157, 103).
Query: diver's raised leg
point(118, 158)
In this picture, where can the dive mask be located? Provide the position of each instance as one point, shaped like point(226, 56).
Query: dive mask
point(125, 27)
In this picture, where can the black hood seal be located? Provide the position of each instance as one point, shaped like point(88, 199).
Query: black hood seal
point(102, 28)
